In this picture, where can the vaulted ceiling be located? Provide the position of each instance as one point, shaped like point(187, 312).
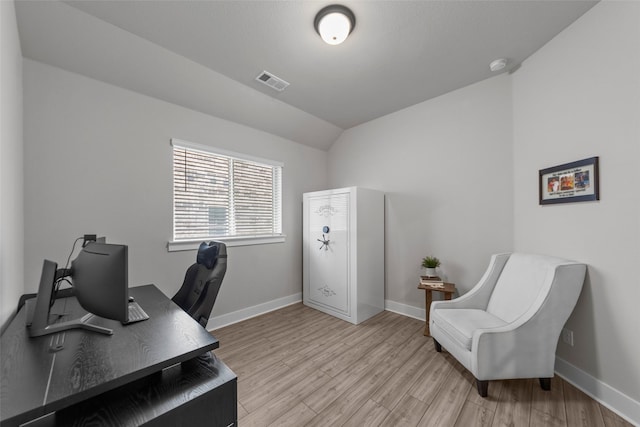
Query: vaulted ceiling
point(205, 55)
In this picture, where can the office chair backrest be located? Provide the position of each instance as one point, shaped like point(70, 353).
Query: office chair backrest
point(202, 281)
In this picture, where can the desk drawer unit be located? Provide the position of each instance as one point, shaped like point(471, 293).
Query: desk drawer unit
point(198, 392)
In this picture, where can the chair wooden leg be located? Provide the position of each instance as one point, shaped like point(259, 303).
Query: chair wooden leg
point(545, 383)
point(483, 388)
point(437, 345)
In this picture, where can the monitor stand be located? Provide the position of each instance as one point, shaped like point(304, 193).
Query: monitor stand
point(38, 309)
point(36, 330)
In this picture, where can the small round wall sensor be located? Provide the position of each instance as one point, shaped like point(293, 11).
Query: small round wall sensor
point(498, 64)
point(325, 229)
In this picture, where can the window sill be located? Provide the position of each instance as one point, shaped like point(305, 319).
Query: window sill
point(189, 245)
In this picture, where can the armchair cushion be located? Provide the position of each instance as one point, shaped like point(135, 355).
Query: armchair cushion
point(460, 324)
point(520, 282)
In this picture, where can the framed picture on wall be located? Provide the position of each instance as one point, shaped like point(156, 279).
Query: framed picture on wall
point(571, 182)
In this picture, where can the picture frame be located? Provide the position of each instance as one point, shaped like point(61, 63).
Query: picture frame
point(571, 182)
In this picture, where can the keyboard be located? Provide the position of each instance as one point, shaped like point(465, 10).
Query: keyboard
point(136, 313)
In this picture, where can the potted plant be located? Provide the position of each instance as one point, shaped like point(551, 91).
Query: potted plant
point(430, 263)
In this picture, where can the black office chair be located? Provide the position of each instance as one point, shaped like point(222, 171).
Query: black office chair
point(202, 281)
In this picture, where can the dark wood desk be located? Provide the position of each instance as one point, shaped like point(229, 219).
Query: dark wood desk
point(199, 392)
point(38, 377)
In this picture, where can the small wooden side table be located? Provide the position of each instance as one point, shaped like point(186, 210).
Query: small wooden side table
point(448, 291)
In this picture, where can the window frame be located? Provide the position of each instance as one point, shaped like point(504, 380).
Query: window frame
point(190, 244)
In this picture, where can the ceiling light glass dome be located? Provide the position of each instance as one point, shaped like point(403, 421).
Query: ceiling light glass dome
point(334, 23)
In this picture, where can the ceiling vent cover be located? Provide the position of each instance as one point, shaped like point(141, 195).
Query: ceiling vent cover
point(272, 81)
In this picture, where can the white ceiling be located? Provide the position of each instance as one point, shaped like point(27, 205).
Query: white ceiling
point(400, 53)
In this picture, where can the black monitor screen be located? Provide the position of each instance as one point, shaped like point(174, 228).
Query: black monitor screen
point(38, 309)
point(101, 280)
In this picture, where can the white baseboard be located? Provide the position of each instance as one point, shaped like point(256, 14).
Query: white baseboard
point(405, 310)
point(606, 395)
point(253, 311)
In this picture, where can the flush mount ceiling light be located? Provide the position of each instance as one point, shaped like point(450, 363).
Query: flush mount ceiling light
point(334, 23)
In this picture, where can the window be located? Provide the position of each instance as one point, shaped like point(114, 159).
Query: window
point(223, 195)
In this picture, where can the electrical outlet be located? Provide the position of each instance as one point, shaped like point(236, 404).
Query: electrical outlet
point(88, 238)
point(567, 337)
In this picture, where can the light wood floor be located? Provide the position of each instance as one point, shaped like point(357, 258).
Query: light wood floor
point(297, 366)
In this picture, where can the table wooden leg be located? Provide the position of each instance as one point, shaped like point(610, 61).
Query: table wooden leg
point(427, 304)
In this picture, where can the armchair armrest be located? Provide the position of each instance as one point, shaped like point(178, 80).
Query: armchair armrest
point(478, 296)
point(526, 347)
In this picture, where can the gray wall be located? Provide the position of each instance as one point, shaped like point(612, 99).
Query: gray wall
point(99, 161)
point(446, 167)
point(11, 164)
point(579, 97)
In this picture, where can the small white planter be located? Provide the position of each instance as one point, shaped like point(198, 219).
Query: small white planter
point(430, 272)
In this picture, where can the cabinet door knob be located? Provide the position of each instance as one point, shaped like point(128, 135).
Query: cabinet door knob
point(325, 242)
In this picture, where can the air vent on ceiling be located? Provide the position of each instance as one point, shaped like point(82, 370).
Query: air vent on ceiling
point(272, 81)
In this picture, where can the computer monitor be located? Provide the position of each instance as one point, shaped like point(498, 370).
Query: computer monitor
point(100, 282)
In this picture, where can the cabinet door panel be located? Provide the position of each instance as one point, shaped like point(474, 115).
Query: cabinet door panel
point(329, 263)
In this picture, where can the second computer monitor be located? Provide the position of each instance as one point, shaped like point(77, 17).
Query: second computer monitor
point(101, 280)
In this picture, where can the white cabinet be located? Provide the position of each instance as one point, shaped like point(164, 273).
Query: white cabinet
point(343, 252)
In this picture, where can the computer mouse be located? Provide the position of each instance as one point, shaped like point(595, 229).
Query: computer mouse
point(131, 299)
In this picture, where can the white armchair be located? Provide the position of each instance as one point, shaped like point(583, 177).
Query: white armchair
point(508, 325)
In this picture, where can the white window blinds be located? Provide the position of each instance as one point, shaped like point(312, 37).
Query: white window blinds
point(220, 194)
